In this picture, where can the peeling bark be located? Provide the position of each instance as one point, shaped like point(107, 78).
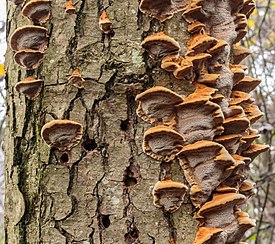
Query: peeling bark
point(106, 195)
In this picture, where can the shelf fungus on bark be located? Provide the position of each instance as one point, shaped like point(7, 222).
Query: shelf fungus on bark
point(76, 79)
point(162, 143)
point(230, 142)
point(162, 10)
point(248, 7)
point(219, 212)
point(239, 53)
point(171, 63)
point(238, 227)
point(29, 37)
point(185, 70)
point(29, 59)
point(39, 11)
point(196, 27)
point(236, 124)
point(247, 140)
point(30, 87)
point(169, 195)
point(254, 150)
point(160, 45)
point(247, 188)
point(205, 164)
point(70, 8)
point(105, 23)
point(157, 105)
point(200, 43)
point(62, 135)
point(198, 118)
point(247, 84)
point(253, 113)
point(210, 236)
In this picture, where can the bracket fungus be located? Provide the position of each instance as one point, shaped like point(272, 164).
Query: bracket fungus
point(160, 45)
point(76, 80)
point(247, 84)
point(105, 23)
point(205, 165)
point(157, 105)
point(38, 11)
point(29, 37)
point(162, 10)
point(162, 143)
point(70, 8)
point(210, 236)
point(30, 87)
point(169, 195)
point(29, 59)
point(62, 135)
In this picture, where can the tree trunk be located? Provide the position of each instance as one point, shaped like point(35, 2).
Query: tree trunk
point(106, 195)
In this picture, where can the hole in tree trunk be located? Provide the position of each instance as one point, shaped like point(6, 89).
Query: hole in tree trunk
point(64, 157)
point(89, 144)
point(131, 175)
point(131, 236)
point(104, 221)
point(124, 124)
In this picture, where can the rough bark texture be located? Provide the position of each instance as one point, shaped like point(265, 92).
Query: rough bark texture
point(106, 195)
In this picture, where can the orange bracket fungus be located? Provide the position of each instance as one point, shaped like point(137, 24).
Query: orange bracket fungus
point(105, 23)
point(209, 131)
point(76, 80)
point(162, 143)
point(70, 8)
point(157, 105)
point(38, 11)
point(62, 135)
point(30, 87)
point(169, 195)
point(160, 45)
point(29, 37)
point(162, 10)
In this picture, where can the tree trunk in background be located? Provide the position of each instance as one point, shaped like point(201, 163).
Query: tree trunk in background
point(106, 196)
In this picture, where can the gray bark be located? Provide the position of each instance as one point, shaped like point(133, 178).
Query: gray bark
point(106, 196)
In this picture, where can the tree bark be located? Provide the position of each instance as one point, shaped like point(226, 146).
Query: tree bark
point(106, 195)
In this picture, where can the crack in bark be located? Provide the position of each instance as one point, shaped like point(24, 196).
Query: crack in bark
point(77, 32)
point(172, 229)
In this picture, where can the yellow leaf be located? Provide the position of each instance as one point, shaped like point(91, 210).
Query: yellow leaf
point(2, 71)
point(251, 23)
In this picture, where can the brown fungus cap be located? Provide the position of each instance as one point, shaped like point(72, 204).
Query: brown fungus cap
point(247, 188)
point(247, 140)
point(160, 45)
point(171, 63)
point(29, 37)
point(210, 236)
point(29, 59)
point(206, 165)
point(230, 142)
point(39, 11)
point(200, 43)
point(196, 27)
point(254, 150)
point(162, 143)
point(239, 53)
point(62, 134)
point(247, 84)
point(157, 105)
point(253, 113)
point(30, 87)
point(105, 23)
point(185, 70)
point(248, 7)
point(70, 8)
point(162, 9)
point(169, 195)
point(76, 80)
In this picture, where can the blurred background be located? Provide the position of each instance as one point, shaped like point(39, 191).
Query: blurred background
point(261, 41)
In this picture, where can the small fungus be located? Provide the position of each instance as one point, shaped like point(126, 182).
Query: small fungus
point(162, 9)
point(30, 87)
point(160, 45)
point(105, 23)
point(210, 236)
point(76, 80)
point(169, 195)
point(171, 63)
point(254, 150)
point(247, 84)
point(29, 37)
point(162, 143)
point(29, 59)
point(70, 8)
point(62, 135)
point(239, 53)
point(37, 10)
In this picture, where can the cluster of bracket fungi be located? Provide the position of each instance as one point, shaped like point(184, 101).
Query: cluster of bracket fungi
point(210, 131)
